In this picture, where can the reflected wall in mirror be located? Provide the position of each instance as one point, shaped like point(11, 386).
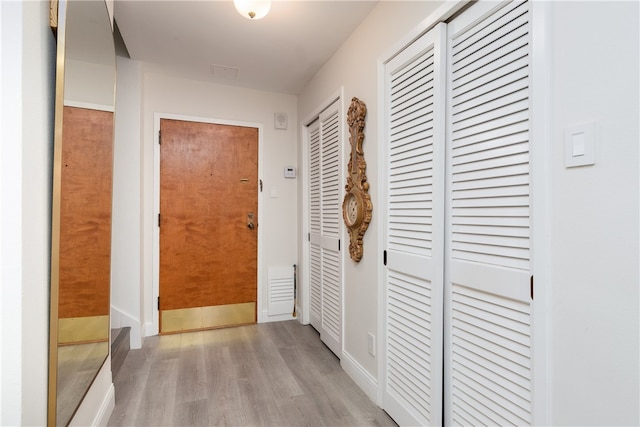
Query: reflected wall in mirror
point(82, 197)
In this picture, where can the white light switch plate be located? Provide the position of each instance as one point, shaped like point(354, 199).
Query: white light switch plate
point(579, 145)
point(371, 344)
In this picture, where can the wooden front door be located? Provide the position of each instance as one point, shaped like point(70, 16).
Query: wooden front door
point(208, 225)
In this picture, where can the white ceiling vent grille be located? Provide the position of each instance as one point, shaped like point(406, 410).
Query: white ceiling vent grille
point(223, 72)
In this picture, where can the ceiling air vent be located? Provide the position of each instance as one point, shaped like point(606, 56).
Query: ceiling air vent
point(222, 72)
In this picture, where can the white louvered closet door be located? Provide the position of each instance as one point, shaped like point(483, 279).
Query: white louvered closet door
point(488, 361)
point(315, 249)
point(325, 263)
point(330, 218)
point(414, 236)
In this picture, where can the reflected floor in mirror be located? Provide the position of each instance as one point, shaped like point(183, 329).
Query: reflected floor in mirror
point(77, 367)
point(270, 374)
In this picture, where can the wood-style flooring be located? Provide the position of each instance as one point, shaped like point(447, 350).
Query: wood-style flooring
point(270, 374)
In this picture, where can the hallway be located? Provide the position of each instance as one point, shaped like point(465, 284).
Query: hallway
point(271, 374)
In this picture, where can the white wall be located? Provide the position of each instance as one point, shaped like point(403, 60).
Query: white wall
point(26, 121)
point(161, 93)
point(126, 242)
point(594, 218)
point(354, 66)
point(86, 82)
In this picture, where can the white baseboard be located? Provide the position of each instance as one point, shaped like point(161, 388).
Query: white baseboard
point(106, 409)
point(148, 330)
point(121, 319)
point(367, 382)
point(99, 401)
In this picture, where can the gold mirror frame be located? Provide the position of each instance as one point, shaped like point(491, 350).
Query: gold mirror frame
point(79, 346)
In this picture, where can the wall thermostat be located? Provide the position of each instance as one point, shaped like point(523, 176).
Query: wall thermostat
point(289, 172)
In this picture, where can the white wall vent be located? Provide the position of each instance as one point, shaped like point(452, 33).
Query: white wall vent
point(280, 290)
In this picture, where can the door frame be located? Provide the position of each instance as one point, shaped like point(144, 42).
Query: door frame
point(155, 325)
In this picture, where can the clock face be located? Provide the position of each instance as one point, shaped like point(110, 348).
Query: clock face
point(352, 210)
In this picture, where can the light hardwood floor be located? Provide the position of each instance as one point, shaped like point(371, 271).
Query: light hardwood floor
point(272, 374)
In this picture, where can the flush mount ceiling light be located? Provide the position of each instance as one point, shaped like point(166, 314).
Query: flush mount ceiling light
point(252, 9)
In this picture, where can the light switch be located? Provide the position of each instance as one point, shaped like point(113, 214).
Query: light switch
point(274, 192)
point(579, 145)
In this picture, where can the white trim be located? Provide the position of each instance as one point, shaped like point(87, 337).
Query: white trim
point(148, 329)
point(98, 404)
point(361, 377)
point(120, 319)
point(88, 105)
point(344, 236)
point(106, 409)
point(156, 207)
point(382, 201)
point(539, 145)
point(303, 267)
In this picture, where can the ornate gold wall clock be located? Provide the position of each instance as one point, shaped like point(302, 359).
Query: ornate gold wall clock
point(356, 207)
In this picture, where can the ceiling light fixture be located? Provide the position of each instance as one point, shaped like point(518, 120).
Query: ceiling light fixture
point(252, 9)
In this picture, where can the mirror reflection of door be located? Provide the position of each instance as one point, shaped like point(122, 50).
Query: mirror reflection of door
point(85, 251)
point(208, 225)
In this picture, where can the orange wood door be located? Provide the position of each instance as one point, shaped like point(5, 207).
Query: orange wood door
point(85, 213)
point(208, 197)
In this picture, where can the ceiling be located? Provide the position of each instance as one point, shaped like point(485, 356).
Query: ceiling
point(279, 53)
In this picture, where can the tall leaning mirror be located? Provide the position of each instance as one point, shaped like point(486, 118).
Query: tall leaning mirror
point(81, 206)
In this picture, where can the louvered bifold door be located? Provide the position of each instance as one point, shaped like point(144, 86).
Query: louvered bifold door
point(315, 249)
point(330, 222)
point(414, 237)
point(488, 356)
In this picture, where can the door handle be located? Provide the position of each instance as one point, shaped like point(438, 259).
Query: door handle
point(250, 224)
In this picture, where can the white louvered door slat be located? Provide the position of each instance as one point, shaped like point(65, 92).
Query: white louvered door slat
point(330, 214)
point(488, 333)
point(414, 121)
point(315, 255)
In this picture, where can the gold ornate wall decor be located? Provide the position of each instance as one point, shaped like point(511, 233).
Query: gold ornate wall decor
point(356, 207)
